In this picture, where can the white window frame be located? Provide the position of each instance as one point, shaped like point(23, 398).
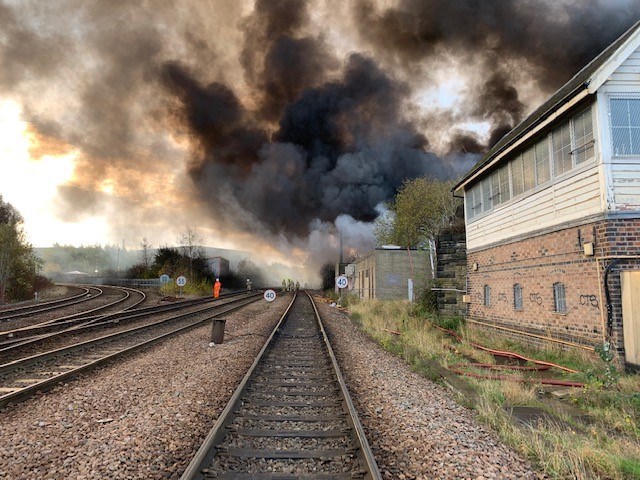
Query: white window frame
point(619, 96)
point(483, 210)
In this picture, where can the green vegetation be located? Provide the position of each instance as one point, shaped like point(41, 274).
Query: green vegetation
point(606, 445)
point(422, 207)
point(105, 261)
point(19, 266)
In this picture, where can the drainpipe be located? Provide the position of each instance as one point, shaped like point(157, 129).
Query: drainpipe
point(607, 294)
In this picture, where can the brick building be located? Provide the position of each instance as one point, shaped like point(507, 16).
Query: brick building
point(552, 215)
point(384, 273)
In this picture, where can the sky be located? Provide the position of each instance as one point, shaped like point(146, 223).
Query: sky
point(268, 126)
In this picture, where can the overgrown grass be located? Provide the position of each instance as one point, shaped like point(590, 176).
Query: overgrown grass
point(608, 447)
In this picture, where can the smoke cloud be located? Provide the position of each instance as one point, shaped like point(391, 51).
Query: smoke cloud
point(279, 123)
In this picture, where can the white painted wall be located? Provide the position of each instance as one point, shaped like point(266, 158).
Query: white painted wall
point(622, 173)
point(568, 199)
point(604, 184)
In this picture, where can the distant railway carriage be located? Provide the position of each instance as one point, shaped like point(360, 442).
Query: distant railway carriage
point(552, 215)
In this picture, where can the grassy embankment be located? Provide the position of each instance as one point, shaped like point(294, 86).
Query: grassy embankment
point(594, 431)
point(199, 289)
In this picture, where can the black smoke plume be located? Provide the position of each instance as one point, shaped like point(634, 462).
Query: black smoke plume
point(507, 41)
point(286, 129)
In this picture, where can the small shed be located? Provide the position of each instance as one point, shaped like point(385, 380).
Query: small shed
point(389, 273)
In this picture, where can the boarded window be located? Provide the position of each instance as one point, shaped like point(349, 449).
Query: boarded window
point(516, 176)
point(517, 296)
point(487, 296)
point(543, 167)
point(559, 298)
point(561, 139)
point(528, 170)
point(625, 125)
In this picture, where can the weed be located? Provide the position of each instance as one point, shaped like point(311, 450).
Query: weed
point(611, 400)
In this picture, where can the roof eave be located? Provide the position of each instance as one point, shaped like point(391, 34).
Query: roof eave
point(516, 141)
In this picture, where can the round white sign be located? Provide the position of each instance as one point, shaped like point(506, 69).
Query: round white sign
point(342, 281)
point(269, 295)
point(164, 278)
point(181, 281)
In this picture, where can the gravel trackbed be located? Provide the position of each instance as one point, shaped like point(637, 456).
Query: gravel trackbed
point(146, 415)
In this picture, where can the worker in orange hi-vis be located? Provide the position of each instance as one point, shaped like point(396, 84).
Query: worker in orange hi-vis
point(216, 288)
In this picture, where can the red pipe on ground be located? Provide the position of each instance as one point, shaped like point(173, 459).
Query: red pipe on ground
point(541, 366)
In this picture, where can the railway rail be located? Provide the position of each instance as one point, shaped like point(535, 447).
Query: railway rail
point(291, 416)
point(126, 299)
point(25, 376)
point(8, 312)
point(32, 336)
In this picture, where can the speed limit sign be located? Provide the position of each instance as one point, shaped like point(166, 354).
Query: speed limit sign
point(181, 281)
point(342, 281)
point(269, 295)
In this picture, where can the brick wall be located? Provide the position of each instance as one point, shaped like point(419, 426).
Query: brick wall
point(539, 262)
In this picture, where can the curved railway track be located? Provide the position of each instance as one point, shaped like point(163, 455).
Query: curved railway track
point(41, 338)
point(25, 376)
point(33, 335)
point(9, 312)
point(126, 299)
point(291, 417)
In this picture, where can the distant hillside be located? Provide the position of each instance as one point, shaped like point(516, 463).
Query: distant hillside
point(99, 259)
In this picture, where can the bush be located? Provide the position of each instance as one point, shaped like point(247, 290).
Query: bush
point(198, 289)
point(427, 300)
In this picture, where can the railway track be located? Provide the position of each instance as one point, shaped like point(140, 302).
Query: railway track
point(291, 417)
point(25, 376)
point(12, 341)
point(39, 314)
point(10, 312)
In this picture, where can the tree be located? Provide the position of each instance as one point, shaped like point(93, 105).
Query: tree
point(19, 265)
point(422, 207)
point(327, 276)
point(189, 242)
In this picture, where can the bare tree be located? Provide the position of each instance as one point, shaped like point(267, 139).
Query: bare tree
point(190, 246)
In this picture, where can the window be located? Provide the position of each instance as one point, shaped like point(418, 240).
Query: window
point(505, 193)
point(543, 168)
point(555, 154)
point(487, 296)
point(517, 296)
point(474, 201)
point(486, 195)
point(516, 175)
point(583, 135)
point(625, 125)
point(561, 139)
point(500, 185)
point(528, 170)
point(559, 298)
